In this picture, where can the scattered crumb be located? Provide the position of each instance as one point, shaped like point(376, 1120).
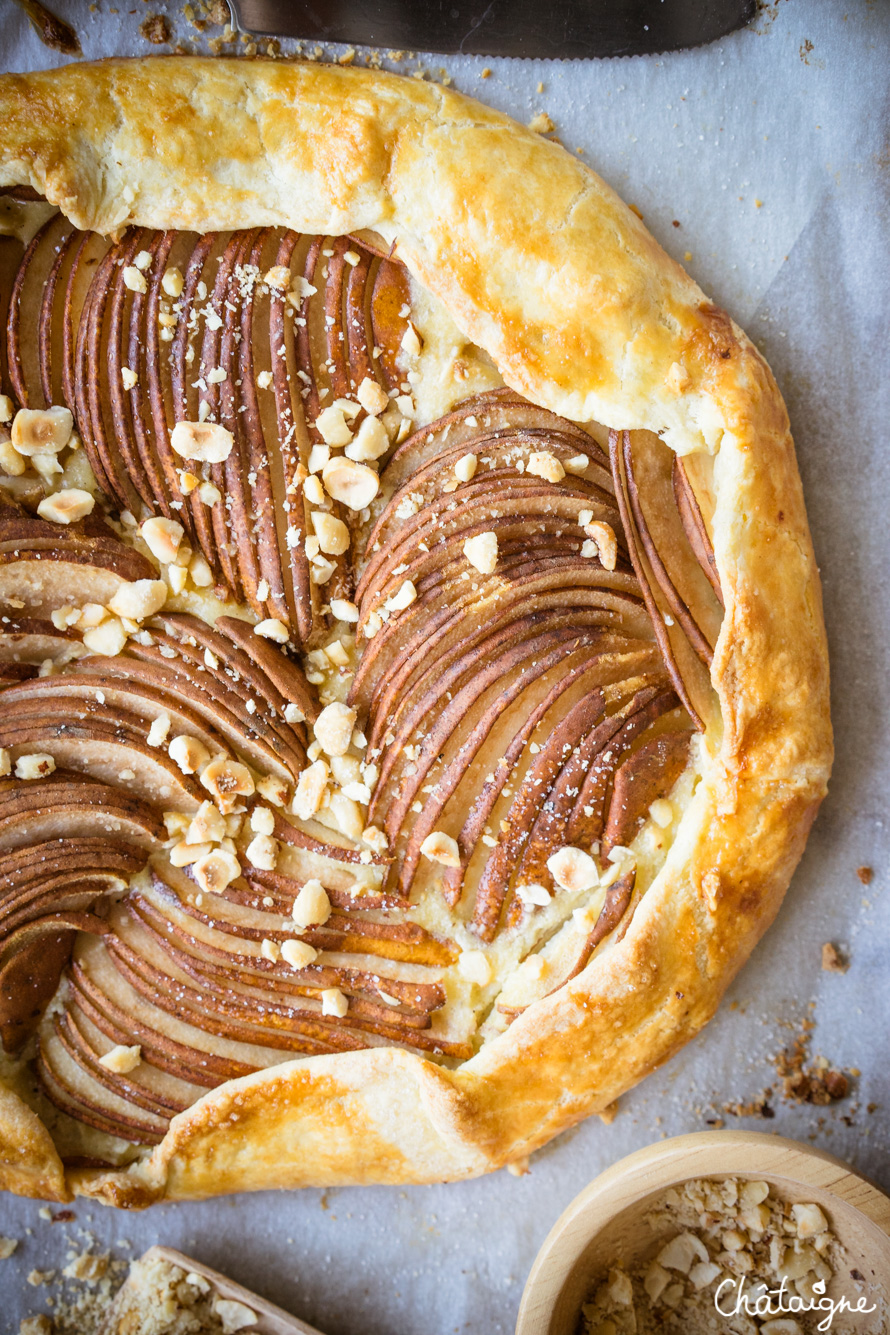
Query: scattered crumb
point(817, 1083)
point(832, 961)
point(7, 1247)
point(675, 222)
point(36, 1278)
point(609, 1113)
point(486, 73)
point(688, 256)
point(36, 1325)
point(541, 123)
point(155, 29)
point(865, 874)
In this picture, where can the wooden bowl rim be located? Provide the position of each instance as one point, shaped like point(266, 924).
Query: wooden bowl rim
point(678, 1159)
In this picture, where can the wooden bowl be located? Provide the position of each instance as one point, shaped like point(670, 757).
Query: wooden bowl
point(606, 1224)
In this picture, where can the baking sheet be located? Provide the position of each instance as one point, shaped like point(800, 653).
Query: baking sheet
point(769, 150)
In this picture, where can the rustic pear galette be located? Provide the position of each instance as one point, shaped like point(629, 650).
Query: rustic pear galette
point(414, 680)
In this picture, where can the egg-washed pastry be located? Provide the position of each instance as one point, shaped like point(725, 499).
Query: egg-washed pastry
point(415, 692)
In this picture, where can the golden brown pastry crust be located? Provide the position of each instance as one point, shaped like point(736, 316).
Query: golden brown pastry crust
point(479, 208)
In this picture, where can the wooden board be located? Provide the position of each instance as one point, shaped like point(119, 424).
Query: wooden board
point(605, 1223)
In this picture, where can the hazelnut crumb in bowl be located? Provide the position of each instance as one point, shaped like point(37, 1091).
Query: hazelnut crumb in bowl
point(721, 1231)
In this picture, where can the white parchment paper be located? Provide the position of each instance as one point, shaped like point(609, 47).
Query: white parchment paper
point(769, 150)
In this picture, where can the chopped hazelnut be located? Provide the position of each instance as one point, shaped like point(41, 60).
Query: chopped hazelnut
point(344, 610)
point(107, 639)
point(832, 962)
point(262, 820)
point(465, 468)
point(606, 543)
point(272, 629)
point(41, 430)
point(333, 427)
point(333, 728)
point(199, 571)
point(67, 506)
point(682, 1251)
point(205, 441)
point(162, 537)
point(183, 854)
point(353, 484)
point(188, 753)
point(298, 954)
point(310, 791)
point(207, 825)
point(573, 869)
point(122, 1059)
point(312, 905)
point(332, 533)
point(405, 595)
point(172, 282)
point(216, 870)
point(534, 894)
point(134, 279)
point(333, 1002)
point(278, 277)
point(233, 1316)
point(262, 852)
point(482, 552)
point(37, 765)
point(12, 463)
point(272, 788)
point(140, 599)
point(442, 848)
point(372, 396)
point(270, 950)
point(809, 1219)
point(227, 780)
point(541, 463)
point(579, 463)
point(371, 441)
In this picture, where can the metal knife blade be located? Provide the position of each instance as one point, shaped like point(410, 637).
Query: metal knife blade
point(558, 29)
